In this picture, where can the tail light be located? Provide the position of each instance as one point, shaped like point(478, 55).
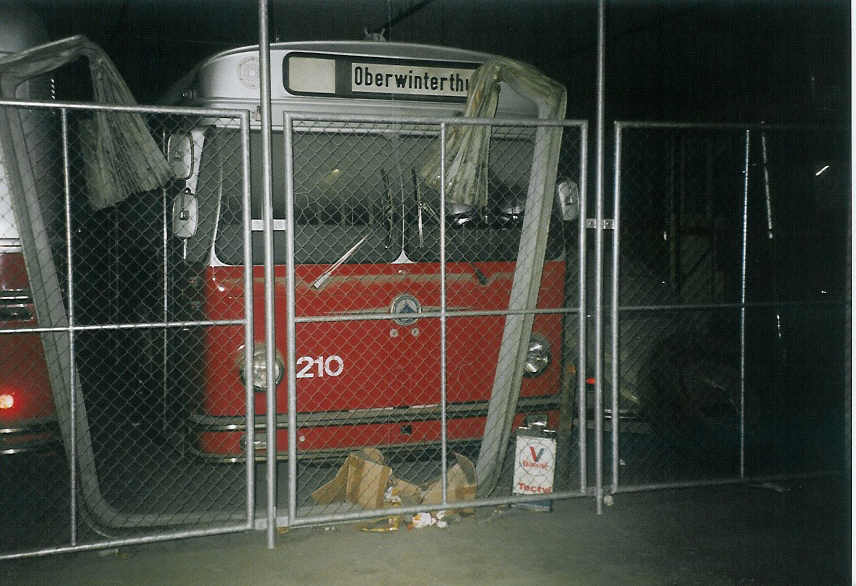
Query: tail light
point(7, 401)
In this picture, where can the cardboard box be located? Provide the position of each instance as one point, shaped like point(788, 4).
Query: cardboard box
point(409, 494)
point(365, 480)
point(361, 480)
point(460, 484)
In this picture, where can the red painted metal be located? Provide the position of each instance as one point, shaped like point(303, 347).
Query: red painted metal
point(23, 371)
point(383, 365)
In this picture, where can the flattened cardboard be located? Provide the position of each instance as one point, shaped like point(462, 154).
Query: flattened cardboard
point(366, 482)
point(460, 484)
point(362, 480)
point(334, 491)
point(409, 493)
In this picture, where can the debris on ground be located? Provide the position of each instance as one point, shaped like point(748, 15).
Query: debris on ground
point(364, 479)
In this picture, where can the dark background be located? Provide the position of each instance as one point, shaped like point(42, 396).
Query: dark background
point(722, 60)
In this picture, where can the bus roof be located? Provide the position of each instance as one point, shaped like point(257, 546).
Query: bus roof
point(344, 77)
point(20, 29)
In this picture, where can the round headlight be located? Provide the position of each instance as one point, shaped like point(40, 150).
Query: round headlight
point(259, 373)
point(537, 357)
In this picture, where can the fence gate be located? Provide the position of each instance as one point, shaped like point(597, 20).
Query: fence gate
point(729, 292)
point(415, 324)
point(104, 331)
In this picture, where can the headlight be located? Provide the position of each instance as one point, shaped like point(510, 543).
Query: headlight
point(537, 357)
point(568, 197)
point(259, 368)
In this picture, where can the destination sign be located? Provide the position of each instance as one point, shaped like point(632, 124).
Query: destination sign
point(375, 77)
point(410, 80)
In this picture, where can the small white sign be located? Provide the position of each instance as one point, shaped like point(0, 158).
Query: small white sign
point(312, 74)
point(535, 465)
point(410, 80)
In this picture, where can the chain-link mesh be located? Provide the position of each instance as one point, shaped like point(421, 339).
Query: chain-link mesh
point(136, 376)
point(684, 271)
point(159, 322)
point(369, 294)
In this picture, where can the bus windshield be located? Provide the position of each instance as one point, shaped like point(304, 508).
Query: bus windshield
point(359, 188)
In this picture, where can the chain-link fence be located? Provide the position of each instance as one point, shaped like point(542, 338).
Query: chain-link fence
point(732, 291)
point(412, 315)
point(430, 342)
point(102, 334)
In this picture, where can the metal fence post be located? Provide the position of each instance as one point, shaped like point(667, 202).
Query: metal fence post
point(443, 431)
point(613, 310)
point(248, 313)
point(270, 340)
point(72, 402)
point(291, 330)
point(598, 295)
point(743, 289)
point(582, 318)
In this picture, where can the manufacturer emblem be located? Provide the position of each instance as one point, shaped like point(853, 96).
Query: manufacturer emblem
point(406, 304)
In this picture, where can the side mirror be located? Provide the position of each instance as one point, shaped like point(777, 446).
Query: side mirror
point(185, 215)
point(179, 153)
point(568, 197)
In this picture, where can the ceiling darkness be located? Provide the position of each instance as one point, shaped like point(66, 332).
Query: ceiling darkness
point(721, 60)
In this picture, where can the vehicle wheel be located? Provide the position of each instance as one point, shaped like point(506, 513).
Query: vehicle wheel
point(691, 399)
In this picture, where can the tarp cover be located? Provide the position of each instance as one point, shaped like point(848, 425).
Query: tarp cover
point(467, 155)
point(120, 155)
point(467, 147)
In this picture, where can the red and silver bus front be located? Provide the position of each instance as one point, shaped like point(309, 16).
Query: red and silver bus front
point(370, 341)
point(364, 252)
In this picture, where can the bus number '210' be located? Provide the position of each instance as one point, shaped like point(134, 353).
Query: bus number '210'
point(310, 367)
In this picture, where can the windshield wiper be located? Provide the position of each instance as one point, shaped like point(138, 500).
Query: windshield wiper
point(480, 277)
point(421, 206)
point(325, 276)
point(389, 209)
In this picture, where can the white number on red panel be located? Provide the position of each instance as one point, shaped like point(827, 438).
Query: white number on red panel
point(320, 366)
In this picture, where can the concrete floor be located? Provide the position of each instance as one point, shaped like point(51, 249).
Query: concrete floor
point(791, 533)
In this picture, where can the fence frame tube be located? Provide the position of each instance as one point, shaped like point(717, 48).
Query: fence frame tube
point(443, 422)
point(743, 298)
point(598, 261)
point(289, 119)
point(613, 310)
point(741, 306)
point(291, 330)
point(241, 118)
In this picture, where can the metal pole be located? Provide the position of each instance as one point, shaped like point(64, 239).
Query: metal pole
point(582, 317)
point(598, 293)
point(443, 431)
point(267, 216)
point(72, 457)
point(165, 305)
point(616, 214)
point(743, 259)
point(291, 330)
point(248, 315)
